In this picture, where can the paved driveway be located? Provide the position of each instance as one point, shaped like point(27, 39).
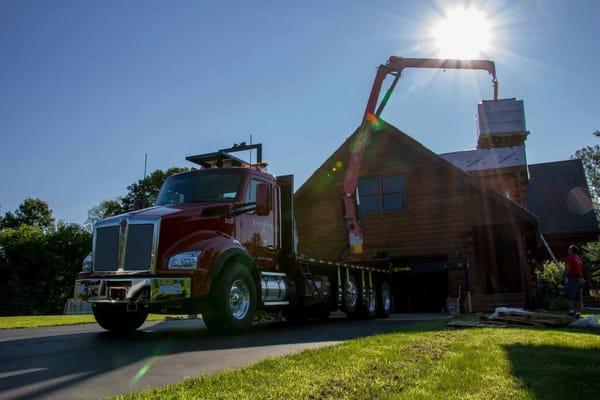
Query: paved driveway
point(85, 362)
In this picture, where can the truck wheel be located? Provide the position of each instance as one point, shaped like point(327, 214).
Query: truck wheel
point(233, 303)
point(117, 319)
point(384, 300)
point(350, 296)
point(368, 309)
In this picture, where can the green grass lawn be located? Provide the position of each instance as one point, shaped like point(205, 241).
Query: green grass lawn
point(423, 361)
point(38, 321)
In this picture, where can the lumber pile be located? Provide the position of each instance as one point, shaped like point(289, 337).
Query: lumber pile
point(505, 316)
point(529, 318)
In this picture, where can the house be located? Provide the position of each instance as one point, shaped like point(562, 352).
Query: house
point(444, 230)
point(454, 223)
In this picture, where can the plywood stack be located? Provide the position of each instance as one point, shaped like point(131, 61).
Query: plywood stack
point(529, 318)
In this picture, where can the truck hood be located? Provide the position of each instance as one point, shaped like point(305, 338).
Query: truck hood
point(194, 210)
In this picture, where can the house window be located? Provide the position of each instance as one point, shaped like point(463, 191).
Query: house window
point(381, 194)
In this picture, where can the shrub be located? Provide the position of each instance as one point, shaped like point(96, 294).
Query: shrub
point(549, 285)
point(591, 257)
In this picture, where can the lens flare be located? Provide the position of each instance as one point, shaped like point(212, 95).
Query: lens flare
point(142, 371)
point(462, 33)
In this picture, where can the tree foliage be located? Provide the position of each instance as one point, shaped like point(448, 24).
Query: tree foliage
point(591, 254)
point(39, 260)
point(590, 157)
point(105, 209)
point(33, 212)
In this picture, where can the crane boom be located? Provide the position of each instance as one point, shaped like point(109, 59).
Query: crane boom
point(394, 67)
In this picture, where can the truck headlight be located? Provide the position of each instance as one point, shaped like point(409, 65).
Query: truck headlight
point(185, 260)
point(86, 265)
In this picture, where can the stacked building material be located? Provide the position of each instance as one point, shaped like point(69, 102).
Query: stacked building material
point(501, 123)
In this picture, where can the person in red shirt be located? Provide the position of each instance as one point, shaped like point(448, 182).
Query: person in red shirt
point(573, 290)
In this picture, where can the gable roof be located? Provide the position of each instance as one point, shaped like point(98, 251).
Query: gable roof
point(559, 195)
point(434, 158)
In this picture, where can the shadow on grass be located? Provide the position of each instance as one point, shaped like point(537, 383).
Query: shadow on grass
point(557, 372)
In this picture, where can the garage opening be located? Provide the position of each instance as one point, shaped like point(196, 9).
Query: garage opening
point(420, 285)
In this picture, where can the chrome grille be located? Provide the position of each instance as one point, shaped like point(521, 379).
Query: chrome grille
point(138, 250)
point(125, 244)
point(106, 249)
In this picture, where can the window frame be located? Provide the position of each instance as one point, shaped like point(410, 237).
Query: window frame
point(381, 194)
point(248, 187)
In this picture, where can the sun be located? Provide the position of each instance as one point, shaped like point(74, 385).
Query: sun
point(461, 33)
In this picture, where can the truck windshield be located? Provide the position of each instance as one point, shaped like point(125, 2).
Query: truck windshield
point(200, 187)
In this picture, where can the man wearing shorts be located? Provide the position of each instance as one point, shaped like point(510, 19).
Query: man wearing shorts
point(573, 290)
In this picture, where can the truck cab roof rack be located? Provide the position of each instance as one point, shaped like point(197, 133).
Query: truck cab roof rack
point(223, 158)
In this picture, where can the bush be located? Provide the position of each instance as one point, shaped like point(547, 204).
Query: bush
point(591, 257)
point(549, 286)
point(38, 267)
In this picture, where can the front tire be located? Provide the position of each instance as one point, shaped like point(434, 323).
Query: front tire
point(233, 303)
point(116, 319)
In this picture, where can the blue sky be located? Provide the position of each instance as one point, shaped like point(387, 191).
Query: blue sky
point(86, 88)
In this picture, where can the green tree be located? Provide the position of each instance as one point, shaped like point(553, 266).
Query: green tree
point(33, 212)
point(105, 209)
point(68, 244)
point(38, 267)
point(23, 271)
point(590, 157)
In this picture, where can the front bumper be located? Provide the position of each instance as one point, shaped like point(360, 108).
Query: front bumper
point(132, 290)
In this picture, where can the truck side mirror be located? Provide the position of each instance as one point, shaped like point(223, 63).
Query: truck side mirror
point(263, 203)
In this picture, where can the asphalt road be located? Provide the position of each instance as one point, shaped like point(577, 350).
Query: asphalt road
point(86, 362)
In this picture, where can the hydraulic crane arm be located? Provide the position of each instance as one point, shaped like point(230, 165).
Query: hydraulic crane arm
point(394, 67)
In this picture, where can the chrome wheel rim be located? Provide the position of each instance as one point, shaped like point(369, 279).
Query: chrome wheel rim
point(371, 301)
point(239, 299)
point(351, 295)
point(386, 297)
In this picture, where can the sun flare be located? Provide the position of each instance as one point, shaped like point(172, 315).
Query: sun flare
point(461, 33)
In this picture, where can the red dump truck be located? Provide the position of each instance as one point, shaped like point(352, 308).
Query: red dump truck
point(220, 241)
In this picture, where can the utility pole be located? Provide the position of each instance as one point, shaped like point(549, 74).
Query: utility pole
point(250, 150)
point(145, 164)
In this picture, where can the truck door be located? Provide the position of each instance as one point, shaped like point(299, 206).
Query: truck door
point(258, 233)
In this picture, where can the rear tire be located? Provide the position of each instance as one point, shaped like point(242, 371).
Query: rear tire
point(384, 300)
point(368, 309)
point(116, 319)
point(233, 303)
point(350, 296)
